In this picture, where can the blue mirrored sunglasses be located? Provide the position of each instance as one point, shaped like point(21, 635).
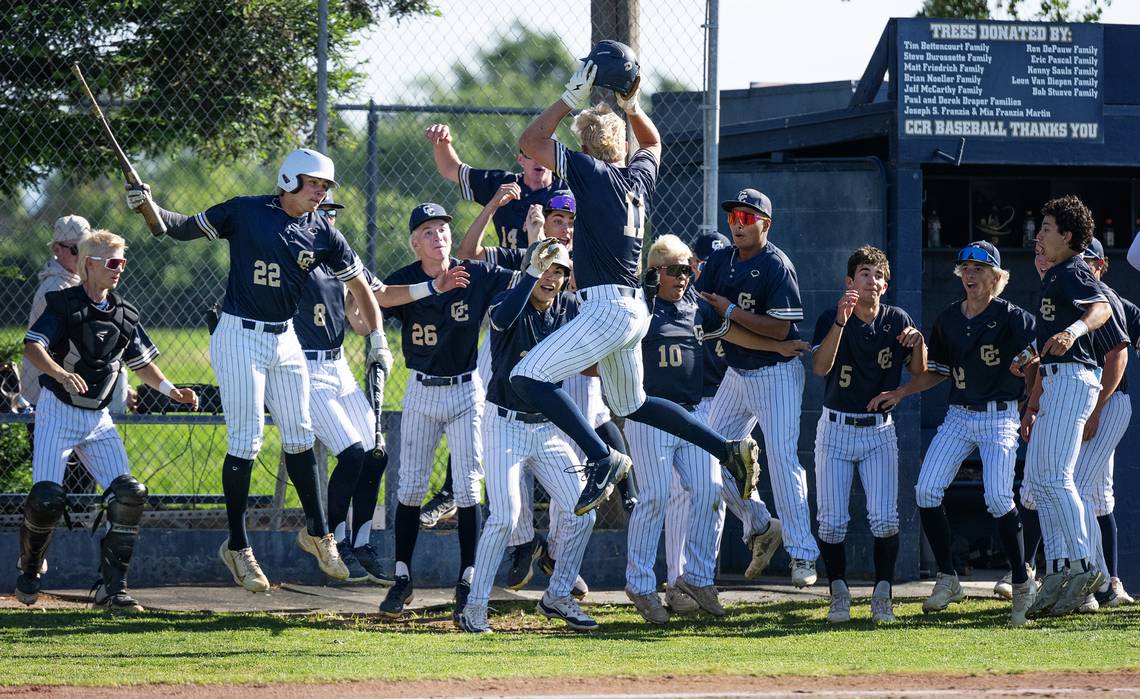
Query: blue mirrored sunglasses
point(976, 254)
point(561, 203)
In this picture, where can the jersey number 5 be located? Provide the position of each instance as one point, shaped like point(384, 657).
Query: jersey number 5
point(845, 376)
point(423, 335)
point(266, 274)
point(634, 216)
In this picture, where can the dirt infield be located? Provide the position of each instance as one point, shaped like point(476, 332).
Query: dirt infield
point(1113, 684)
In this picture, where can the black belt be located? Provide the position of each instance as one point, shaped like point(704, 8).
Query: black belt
point(852, 421)
point(426, 380)
point(627, 291)
point(323, 355)
point(983, 407)
point(528, 418)
point(273, 328)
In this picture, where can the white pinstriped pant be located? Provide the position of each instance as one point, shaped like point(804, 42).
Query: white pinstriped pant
point(429, 413)
point(839, 450)
point(255, 369)
point(662, 457)
point(341, 413)
point(1067, 401)
point(62, 428)
point(994, 434)
point(513, 446)
point(773, 396)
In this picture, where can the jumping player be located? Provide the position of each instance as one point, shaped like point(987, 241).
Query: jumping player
point(613, 318)
point(517, 437)
point(855, 430)
point(972, 343)
point(755, 283)
point(275, 243)
point(80, 343)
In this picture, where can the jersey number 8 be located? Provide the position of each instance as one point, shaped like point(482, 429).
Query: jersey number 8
point(266, 274)
point(423, 335)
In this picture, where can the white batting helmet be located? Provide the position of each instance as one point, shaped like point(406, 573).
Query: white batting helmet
point(304, 161)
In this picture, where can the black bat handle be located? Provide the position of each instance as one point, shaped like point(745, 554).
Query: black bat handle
point(376, 379)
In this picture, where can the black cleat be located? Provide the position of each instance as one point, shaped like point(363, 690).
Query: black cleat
point(462, 592)
point(441, 507)
point(600, 479)
point(356, 572)
point(522, 562)
point(368, 559)
point(628, 496)
point(115, 602)
point(28, 588)
point(399, 594)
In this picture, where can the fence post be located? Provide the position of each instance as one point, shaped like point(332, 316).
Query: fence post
point(322, 75)
point(711, 165)
point(371, 184)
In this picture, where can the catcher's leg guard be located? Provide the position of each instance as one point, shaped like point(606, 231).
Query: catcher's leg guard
point(43, 508)
point(124, 501)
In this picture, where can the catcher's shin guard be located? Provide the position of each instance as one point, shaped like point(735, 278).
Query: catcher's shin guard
point(123, 501)
point(43, 508)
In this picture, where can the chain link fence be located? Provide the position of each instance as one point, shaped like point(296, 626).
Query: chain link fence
point(483, 68)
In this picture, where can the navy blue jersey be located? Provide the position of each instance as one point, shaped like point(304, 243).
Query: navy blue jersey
point(869, 359)
point(441, 332)
point(321, 322)
point(1065, 291)
point(715, 366)
point(507, 258)
point(481, 185)
point(766, 284)
point(510, 344)
point(1131, 321)
point(672, 351)
point(272, 254)
point(1112, 333)
point(976, 352)
point(612, 202)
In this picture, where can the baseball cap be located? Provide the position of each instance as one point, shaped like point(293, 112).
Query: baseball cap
point(70, 229)
point(329, 203)
point(980, 251)
point(426, 212)
point(1095, 251)
point(750, 199)
point(561, 200)
point(706, 243)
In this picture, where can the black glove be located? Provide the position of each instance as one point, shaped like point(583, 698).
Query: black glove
point(650, 284)
point(213, 313)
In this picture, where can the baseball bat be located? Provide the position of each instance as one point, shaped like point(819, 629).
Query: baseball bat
point(376, 384)
point(148, 210)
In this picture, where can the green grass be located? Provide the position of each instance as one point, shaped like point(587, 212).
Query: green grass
point(792, 638)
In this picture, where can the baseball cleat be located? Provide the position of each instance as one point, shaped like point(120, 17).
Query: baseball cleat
point(567, 610)
point(356, 572)
point(398, 595)
point(1048, 593)
point(116, 602)
point(839, 612)
point(441, 507)
point(580, 589)
point(27, 588)
point(323, 548)
point(546, 564)
point(523, 559)
point(742, 459)
point(764, 546)
point(1004, 588)
point(368, 558)
point(1089, 605)
point(243, 567)
point(600, 479)
point(649, 606)
point(677, 602)
point(947, 589)
point(474, 620)
point(803, 572)
point(1076, 592)
point(462, 592)
point(1117, 595)
point(882, 609)
point(1024, 595)
point(705, 596)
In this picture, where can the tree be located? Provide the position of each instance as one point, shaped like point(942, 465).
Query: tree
point(1047, 10)
point(223, 77)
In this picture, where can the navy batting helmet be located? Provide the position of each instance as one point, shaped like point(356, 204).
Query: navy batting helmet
point(617, 66)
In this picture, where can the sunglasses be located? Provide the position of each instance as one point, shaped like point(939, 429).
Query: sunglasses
point(73, 249)
point(677, 270)
point(115, 264)
point(974, 253)
point(330, 214)
point(561, 203)
point(744, 218)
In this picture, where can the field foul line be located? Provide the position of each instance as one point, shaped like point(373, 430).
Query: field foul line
point(747, 694)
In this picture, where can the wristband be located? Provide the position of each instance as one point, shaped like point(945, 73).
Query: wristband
point(728, 311)
point(422, 290)
point(840, 325)
point(166, 388)
point(1077, 329)
point(376, 339)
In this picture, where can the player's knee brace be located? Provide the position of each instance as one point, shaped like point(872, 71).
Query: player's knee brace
point(43, 508)
point(124, 502)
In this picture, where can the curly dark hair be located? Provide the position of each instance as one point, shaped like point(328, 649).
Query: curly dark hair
point(1072, 216)
point(868, 255)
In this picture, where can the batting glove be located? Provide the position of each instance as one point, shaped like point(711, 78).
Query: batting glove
point(378, 352)
point(542, 256)
point(577, 92)
point(137, 195)
point(630, 102)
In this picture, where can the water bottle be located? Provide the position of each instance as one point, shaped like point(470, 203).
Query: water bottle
point(1028, 230)
point(1109, 234)
point(933, 230)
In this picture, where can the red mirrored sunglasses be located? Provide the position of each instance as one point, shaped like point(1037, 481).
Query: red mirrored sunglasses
point(115, 264)
point(744, 218)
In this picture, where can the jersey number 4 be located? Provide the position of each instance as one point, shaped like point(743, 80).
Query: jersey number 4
point(266, 273)
point(423, 335)
point(634, 216)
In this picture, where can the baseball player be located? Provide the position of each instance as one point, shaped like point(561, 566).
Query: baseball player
point(972, 343)
point(755, 283)
point(517, 437)
point(855, 430)
point(612, 319)
point(342, 418)
point(276, 241)
point(674, 370)
point(536, 184)
point(1064, 394)
point(79, 344)
point(440, 331)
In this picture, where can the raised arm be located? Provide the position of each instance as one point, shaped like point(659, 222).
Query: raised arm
point(507, 311)
point(824, 358)
point(397, 295)
point(447, 161)
point(471, 247)
point(644, 131)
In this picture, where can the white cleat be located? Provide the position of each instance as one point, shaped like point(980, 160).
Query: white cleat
point(803, 572)
point(947, 589)
point(244, 567)
point(840, 610)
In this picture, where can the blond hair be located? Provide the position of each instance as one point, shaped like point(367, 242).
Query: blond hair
point(601, 133)
point(1001, 277)
point(668, 247)
point(100, 244)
